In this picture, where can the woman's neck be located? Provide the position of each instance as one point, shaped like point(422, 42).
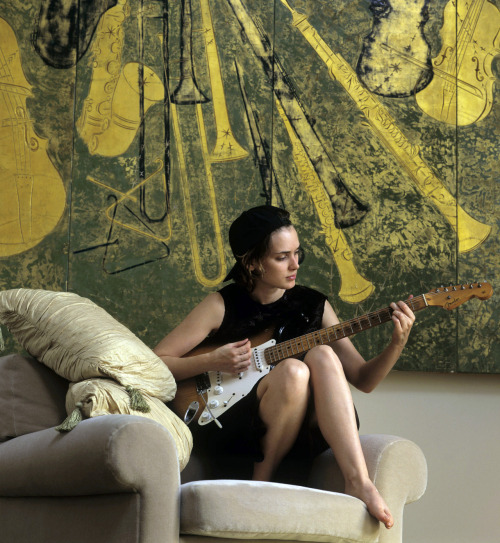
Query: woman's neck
point(265, 295)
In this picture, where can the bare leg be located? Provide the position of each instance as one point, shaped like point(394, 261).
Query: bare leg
point(337, 422)
point(283, 398)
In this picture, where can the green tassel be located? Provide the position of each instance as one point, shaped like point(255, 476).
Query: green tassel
point(137, 401)
point(72, 420)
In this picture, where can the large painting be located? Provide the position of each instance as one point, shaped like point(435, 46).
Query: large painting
point(134, 131)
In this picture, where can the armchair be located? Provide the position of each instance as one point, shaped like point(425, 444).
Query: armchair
point(115, 479)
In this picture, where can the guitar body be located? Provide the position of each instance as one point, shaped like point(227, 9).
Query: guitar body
point(220, 390)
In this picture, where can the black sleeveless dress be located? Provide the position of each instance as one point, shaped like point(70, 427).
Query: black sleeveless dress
point(231, 451)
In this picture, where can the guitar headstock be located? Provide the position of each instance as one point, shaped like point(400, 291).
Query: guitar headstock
point(453, 296)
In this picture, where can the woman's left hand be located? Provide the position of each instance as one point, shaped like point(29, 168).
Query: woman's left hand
point(403, 318)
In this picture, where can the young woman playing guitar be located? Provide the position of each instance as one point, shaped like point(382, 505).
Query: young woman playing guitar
point(302, 406)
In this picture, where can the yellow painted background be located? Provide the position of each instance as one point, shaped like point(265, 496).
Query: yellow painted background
point(129, 144)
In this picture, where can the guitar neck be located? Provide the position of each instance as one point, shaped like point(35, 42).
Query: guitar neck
point(302, 344)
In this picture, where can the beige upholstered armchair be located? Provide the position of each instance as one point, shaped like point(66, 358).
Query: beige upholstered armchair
point(115, 479)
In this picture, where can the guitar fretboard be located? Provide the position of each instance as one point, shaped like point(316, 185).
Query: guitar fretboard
point(302, 344)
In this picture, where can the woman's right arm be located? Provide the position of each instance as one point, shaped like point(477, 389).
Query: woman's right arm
point(204, 319)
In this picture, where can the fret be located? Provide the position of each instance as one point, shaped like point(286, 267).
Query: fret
point(275, 355)
point(269, 354)
point(360, 324)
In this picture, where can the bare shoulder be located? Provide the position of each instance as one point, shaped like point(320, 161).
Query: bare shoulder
point(212, 309)
point(329, 316)
point(204, 319)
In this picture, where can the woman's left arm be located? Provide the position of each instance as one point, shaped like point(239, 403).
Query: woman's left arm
point(366, 375)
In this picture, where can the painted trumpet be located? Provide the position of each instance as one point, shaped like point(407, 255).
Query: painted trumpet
point(226, 147)
point(187, 91)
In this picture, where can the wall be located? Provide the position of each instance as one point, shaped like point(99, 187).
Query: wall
point(134, 131)
point(454, 419)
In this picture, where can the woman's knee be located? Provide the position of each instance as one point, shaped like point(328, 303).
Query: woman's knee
point(292, 377)
point(323, 358)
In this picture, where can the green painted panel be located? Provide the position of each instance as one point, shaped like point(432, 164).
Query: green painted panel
point(135, 139)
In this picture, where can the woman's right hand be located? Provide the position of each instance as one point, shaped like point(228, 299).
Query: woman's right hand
point(233, 357)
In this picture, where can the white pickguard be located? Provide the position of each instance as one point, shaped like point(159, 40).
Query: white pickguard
point(226, 389)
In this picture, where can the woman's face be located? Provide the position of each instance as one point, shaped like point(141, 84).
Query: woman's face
point(281, 262)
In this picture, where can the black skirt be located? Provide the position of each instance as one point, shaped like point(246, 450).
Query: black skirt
point(231, 451)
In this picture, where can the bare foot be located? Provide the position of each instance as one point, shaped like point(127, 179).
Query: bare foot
point(376, 505)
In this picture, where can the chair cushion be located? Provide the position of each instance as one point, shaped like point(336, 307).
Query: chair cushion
point(256, 510)
point(79, 340)
point(106, 397)
point(31, 397)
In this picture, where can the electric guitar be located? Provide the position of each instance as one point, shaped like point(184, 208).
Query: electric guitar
point(219, 391)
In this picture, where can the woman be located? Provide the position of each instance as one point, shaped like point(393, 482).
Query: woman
point(298, 395)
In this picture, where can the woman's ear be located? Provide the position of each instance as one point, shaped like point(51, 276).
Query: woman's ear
point(254, 268)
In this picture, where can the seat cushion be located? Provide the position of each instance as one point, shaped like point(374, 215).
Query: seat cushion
point(31, 397)
point(256, 510)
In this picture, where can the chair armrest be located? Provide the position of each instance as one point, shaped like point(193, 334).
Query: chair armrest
point(396, 465)
point(398, 468)
point(108, 454)
point(104, 455)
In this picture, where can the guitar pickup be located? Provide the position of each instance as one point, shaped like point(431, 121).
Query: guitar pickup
point(202, 383)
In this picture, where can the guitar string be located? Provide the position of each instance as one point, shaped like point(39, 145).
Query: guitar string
point(356, 324)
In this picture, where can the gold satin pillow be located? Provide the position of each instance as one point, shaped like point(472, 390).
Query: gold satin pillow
point(79, 340)
point(96, 397)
